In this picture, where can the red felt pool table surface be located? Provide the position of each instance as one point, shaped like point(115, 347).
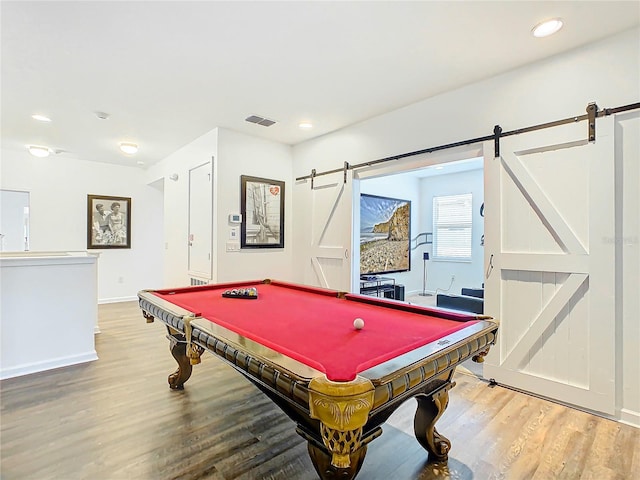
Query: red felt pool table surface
point(315, 326)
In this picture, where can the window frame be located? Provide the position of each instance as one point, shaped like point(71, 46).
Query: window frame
point(466, 223)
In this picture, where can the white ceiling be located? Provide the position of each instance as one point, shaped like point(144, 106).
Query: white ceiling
point(168, 72)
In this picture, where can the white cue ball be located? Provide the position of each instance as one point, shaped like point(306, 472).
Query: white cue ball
point(358, 323)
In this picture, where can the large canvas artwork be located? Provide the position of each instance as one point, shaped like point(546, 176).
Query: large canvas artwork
point(385, 233)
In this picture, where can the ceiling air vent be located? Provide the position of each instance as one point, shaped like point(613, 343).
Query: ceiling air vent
point(265, 122)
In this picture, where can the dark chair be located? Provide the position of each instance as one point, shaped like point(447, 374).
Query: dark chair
point(460, 302)
point(473, 292)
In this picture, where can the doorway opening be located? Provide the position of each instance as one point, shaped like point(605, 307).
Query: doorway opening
point(14, 215)
point(434, 270)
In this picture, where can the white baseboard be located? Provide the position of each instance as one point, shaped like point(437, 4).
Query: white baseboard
point(629, 417)
point(418, 292)
point(28, 368)
point(117, 300)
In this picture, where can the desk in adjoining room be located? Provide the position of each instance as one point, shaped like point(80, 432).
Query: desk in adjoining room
point(48, 312)
point(379, 286)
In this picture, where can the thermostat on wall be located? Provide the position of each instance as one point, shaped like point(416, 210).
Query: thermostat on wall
point(235, 218)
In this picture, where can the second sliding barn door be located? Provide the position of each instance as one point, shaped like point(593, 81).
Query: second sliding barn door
point(549, 269)
point(331, 220)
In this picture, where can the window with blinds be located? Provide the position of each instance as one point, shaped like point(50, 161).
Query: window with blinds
point(452, 222)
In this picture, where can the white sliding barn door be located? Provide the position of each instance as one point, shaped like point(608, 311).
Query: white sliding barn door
point(331, 225)
point(549, 266)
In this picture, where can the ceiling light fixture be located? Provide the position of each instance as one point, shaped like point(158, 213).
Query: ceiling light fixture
point(40, 118)
point(102, 115)
point(38, 151)
point(305, 125)
point(546, 28)
point(129, 148)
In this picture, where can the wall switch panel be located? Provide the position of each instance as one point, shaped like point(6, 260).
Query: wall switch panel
point(233, 246)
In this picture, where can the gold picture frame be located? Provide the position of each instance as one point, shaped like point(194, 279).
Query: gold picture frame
point(108, 222)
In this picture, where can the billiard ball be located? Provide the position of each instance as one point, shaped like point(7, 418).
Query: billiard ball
point(358, 324)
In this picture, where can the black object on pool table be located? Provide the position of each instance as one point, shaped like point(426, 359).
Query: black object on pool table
point(244, 293)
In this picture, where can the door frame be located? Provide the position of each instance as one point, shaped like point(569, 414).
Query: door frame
point(408, 164)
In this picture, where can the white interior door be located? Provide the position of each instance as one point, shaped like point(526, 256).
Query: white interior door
point(331, 225)
point(14, 221)
point(200, 221)
point(550, 273)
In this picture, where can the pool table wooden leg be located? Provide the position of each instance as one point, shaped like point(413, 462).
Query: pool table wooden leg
point(322, 463)
point(342, 410)
point(178, 348)
point(430, 409)
point(179, 351)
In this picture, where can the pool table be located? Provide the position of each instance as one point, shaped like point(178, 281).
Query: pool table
point(298, 344)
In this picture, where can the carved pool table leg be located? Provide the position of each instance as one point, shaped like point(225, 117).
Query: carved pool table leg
point(430, 409)
point(321, 460)
point(479, 357)
point(148, 317)
point(343, 410)
point(178, 348)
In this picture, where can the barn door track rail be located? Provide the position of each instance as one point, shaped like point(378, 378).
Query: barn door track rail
point(590, 116)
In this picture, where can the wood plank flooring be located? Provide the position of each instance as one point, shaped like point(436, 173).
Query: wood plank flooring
point(116, 418)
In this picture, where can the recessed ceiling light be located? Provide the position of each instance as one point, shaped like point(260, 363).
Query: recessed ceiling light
point(140, 162)
point(439, 167)
point(546, 28)
point(102, 115)
point(41, 118)
point(129, 148)
point(305, 125)
point(38, 151)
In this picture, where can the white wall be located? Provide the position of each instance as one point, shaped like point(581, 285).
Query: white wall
point(48, 312)
point(235, 154)
point(607, 72)
point(175, 254)
point(467, 274)
point(628, 265)
point(58, 188)
point(240, 154)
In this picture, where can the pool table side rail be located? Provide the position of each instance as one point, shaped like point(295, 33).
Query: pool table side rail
point(204, 331)
point(445, 313)
point(288, 385)
point(401, 378)
point(165, 311)
point(479, 334)
point(393, 381)
point(231, 285)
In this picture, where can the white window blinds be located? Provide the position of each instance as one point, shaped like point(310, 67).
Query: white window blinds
point(452, 222)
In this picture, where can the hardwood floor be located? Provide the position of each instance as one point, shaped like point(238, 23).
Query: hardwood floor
point(116, 418)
